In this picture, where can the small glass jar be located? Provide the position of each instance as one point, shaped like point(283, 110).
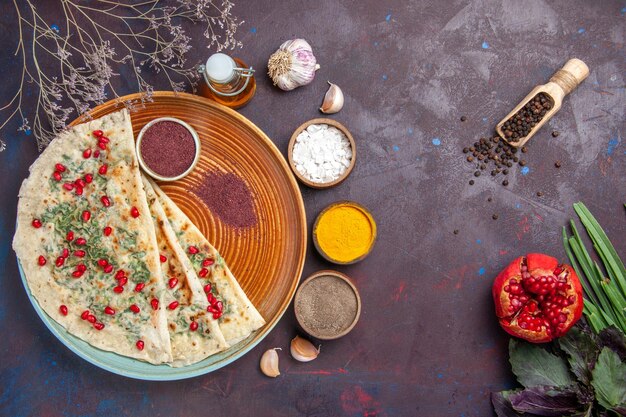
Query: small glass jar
point(227, 81)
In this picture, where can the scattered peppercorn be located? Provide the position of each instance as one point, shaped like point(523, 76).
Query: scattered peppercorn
point(555, 133)
point(539, 193)
point(505, 182)
point(471, 182)
point(477, 174)
point(557, 164)
point(495, 217)
point(490, 199)
point(522, 163)
point(525, 119)
point(456, 231)
point(463, 118)
point(524, 149)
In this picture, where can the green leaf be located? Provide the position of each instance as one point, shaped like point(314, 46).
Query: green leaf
point(582, 351)
point(547, 401)
point(609, 379)
point(533, 365)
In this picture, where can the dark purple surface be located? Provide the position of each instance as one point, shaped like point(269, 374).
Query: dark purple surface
point(427, 343)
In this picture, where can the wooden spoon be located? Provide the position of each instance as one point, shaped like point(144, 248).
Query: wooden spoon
point(561, 84)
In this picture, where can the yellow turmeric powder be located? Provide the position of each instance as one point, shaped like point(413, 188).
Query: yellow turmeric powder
point(345, 232)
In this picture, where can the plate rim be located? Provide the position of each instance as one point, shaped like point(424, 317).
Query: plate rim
point(257, 336)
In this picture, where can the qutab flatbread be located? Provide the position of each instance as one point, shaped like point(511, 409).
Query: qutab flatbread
point(194, 333)
point(237, 316)
point(86, 241)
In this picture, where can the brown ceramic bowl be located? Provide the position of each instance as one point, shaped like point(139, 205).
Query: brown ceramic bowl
point(292, 141)
point(365, 211)
point(308, 285)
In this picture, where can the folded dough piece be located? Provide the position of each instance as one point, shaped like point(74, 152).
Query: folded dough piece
point(238, 317)
point(86, 242)
point(194, 333)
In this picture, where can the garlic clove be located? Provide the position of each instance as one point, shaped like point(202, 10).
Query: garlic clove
point(269, 363)
point(302, 350)
point(333, 100)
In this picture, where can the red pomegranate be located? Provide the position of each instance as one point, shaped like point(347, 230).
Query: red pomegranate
point(537, 299)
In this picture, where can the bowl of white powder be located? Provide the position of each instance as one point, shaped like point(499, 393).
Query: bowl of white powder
point(321, 153)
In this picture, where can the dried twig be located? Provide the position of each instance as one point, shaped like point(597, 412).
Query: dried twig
point(139, 36)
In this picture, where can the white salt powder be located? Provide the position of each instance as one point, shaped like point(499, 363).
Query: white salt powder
point(322, 153)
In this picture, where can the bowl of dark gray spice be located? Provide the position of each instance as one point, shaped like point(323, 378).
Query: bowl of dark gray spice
point(327, 305)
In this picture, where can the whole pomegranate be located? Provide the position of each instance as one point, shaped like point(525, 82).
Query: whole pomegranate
point(537, 299)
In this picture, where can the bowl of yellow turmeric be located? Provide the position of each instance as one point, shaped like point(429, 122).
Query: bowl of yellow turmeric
point(344, 232)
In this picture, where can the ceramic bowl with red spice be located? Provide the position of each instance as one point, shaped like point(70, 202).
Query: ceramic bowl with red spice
point(168, 148)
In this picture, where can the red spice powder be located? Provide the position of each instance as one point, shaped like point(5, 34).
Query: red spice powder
point(167, 148)
point(228, 197)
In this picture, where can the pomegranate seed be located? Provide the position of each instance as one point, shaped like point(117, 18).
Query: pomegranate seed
point(81, 241)
point(155, 304)
point(81, 267)
point(211, 299)
point(41, 260)
point(96, 153)
point(70, 236)
point(103, 262)
point(80, 183)
point(77, 274)
point(139, 344)
point(134, 308)
point(203, 273)
point(103, 169)
point(91, 318)
point(139, 287)
point(56, 175)
point(193, 326)
point(65, 253)
point(79, 253)
point(103, 139)
point(208, 262)
point(219, 306)
point(97, 133)
point(86, 215)
point(87, 153)
point(211, 309)
point(207, 288)
point(163, 258)
point(108, 310)
point(120, 274)
point(217, 315)
point(98, 325)
point(193, 250)
point(36, 223)
point(105, 201)
point(172, 282)
point(84, 315)
point(60, 167)
point(134, 212)
point(79, 190)
point(118, 289)
point(173, 305)
point(107, 230)
point(88, 178)
point(122, 281)
point(108, 269)
point(60, 261)
point(102, 146)
point(68, 186)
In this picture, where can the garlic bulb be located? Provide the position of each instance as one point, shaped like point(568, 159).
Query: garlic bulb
point(302, 350)
point(292, 65)
point(269, 363)
point(333, 100)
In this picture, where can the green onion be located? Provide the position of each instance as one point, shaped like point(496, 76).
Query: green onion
point(605, 295)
